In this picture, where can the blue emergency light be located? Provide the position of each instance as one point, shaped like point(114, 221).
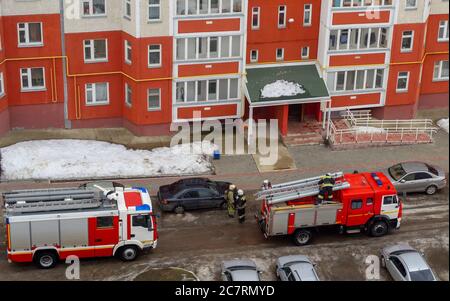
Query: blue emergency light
point(144, 207)
point(141, 189)
point(377, 179)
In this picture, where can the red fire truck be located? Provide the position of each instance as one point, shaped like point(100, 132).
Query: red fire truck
point(47, 225)
point(362, 202)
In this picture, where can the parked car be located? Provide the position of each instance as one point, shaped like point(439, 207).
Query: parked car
point(192, 193)
point(296, 268)
point(240, 270)
point(404, 263)
point(416, 177)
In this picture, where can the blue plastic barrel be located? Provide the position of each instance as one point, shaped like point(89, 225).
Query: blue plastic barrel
point(216, 154)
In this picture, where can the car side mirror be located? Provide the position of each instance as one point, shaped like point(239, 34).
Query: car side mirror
point(403, 181)
point(314, 264)
point(260, 272)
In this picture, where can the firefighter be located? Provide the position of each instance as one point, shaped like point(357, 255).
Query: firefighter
point(266, 185)
point(231, 195)
point(241, 204)
point(326, 184)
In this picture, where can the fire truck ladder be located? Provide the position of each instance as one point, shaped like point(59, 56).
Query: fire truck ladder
point(289, 191)
point(27, 201)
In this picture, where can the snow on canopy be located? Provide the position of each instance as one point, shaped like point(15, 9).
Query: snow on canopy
point(281, 88)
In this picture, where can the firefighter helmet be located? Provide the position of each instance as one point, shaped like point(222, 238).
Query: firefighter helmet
point(240, 192)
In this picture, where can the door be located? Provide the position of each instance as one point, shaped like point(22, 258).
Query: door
point(390, 206)
point(190, 199)
point(208, 198)
point(356, 213)
point(421, 181)
point(396, 268)
point(106, 234)
point(141, 228)
point(407, 183)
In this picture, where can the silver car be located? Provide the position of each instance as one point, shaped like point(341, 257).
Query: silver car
point(416, 177)
point(406, 264)
point(296, 268)
point(240, 270)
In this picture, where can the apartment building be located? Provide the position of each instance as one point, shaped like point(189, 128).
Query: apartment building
point(144, 64)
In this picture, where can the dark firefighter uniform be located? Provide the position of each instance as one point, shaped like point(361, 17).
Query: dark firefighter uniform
point(241, 204)
point(326, 184)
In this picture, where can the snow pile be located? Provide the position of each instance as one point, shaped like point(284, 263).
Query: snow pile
point(281, 88)
point(443, 123)
point(369, 130)
point(82, 159)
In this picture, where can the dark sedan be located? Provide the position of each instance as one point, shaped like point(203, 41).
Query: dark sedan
point(191, 194)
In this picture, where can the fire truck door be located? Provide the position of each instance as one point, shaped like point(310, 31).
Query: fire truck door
point(356, 213)
point(390, 206)
point(106, 234)
point(141, 228)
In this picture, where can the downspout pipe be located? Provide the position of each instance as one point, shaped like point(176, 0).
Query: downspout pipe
point(67, 122)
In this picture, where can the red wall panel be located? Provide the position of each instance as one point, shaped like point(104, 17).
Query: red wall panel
point(208, 111)
point(361, 17)
point(355, 100)
point(417, 52)
point(432, 34)
point(402, 98)
point(428, 85)
point(208, 69)
point(214, 25)
point(359, 59)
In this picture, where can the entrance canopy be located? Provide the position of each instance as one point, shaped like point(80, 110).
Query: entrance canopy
point(288, 84)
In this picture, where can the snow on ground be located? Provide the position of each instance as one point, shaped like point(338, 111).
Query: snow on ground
point(281, 88)
point(78, 159)
point(443, 123)
point(368, 130)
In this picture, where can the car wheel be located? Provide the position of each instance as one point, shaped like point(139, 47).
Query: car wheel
point(431, 190)
point(379, 228)
point(302, 237)
point(46, 260)
point(179, 209)
point(129, 253)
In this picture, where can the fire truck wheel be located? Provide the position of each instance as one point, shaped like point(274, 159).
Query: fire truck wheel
point(129, 253)
point(46, 259)
point(179, 210)
point(302, 237)
point(379, 228)
point(431, 190)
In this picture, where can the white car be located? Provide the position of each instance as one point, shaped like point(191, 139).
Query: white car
point(296, 268)
point(240, 270)
point(404, 263)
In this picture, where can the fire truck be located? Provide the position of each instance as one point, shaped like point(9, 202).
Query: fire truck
point(48, 225)
point(362, 202)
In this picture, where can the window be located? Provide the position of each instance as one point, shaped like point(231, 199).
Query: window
point(307, 15)
point(305, 53)
point(128, 95)
point(141, 221)
point(359, 38)
point(32, 79)
point(443, 31)
point(94, 7)
point(361, 3)
point(440, 71)
point(357, 204)
point(422, 176)
point(105, 222)
point(355, 80)
point(407, 41)
point(95, 50)
point(154, 56)
point(211, 90)
point(97, 94)
point(204, 7)
point(192, 194)
point(154, 99)
point(281, 16)
point(255, 17)
point(2, 85)
point(127, 9)
point(402, 81)
point(389, 200)
point(369, 202)
point(30, 34)
point(154, 10)
point(411, 4)
point(254, 56)
point(127, 52)
point(280, 54)
point(205, 48)
point(398, 264)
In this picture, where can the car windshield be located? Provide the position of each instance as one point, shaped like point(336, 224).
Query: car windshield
point(397, 172)
point(423, 275)
point(432, 170)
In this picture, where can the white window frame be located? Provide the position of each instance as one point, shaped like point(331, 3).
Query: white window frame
point(411, 36)
point(2, 85)
point(440, 77)
point(153, 6)
point(410, 7)
point(228, 99)
point(29, 79)
point(27, 42)
point(305, 10)
point(443, 24)
point(128, 98)
point(307, 50)
point(334, 75)
point(399, 76)
point(153, 51)
point(126, 5)
point(251, 56)
point(256, 11)
point(92, 49)
point(220, 55)
point(91, 9)
point(94, 96)
point(282, 9)
point(282, 54)
point(127, 46)
point(148, 100)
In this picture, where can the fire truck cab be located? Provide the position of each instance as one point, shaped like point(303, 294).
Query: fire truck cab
point(48, 225)
point(362, 202)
